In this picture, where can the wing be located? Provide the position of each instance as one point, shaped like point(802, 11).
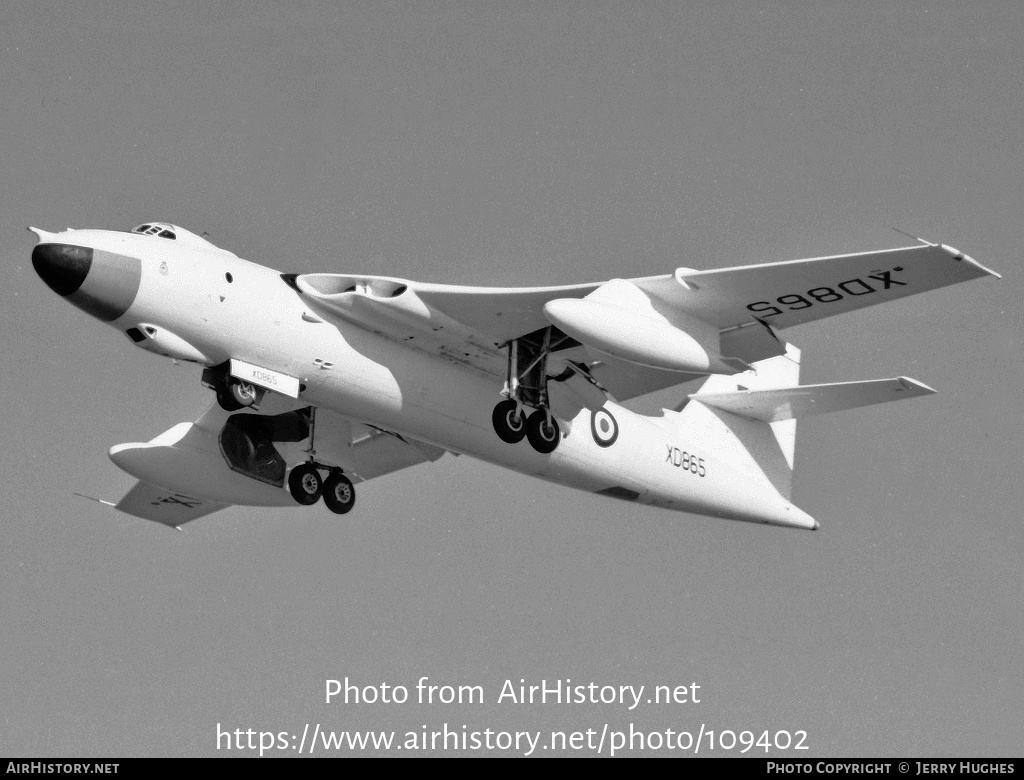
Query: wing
point(191, 470)
point(734, 312)
point(464, 325)
point(493, 315)
point(164, 506)
point(798, 291)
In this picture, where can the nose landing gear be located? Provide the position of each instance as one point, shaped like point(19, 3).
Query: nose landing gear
point(235, 395)
point(232, 393)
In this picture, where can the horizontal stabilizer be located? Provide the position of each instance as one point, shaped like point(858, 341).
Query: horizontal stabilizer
point(789, 403)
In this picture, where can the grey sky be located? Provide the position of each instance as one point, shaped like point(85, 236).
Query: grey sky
point(536, 143)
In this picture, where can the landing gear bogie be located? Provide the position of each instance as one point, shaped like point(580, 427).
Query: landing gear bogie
point(526, 387)
point(307, 487)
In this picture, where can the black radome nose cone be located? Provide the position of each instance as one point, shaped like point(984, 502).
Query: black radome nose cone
point(62, 266)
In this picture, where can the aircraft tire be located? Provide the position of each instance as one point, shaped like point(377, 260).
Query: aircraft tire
point(305, 484)
point(243, 393)
point(508, 422)
point(543, 435)
point(227, 401)
point(339, 494)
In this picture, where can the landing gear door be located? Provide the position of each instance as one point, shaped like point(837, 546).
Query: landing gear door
point(332, 438)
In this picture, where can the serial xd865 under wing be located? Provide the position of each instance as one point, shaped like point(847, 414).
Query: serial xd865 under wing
point(326, 380)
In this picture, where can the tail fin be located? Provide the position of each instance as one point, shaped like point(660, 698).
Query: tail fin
point(761, 449)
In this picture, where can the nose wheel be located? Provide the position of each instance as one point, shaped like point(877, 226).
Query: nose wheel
point(235, 395)
point(232, 393)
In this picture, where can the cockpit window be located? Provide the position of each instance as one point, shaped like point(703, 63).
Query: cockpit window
point(163, 231)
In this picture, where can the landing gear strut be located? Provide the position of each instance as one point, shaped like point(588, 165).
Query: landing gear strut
point(526, 385)
point(307, 486)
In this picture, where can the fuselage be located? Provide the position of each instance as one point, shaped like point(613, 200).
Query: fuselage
point(186, 299)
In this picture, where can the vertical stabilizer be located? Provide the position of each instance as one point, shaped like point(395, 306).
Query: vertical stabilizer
point(762, 450)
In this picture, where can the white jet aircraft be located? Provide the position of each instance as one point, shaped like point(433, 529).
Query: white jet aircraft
point(326, 380)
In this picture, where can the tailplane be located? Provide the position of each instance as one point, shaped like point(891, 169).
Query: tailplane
point(758, 410)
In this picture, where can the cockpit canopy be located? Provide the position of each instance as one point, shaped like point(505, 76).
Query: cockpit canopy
point(171, 232)
point(161, 229)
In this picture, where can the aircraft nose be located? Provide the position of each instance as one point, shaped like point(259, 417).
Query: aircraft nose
point(102, 283)
point(62, 266)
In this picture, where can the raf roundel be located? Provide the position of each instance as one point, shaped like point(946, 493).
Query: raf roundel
point(604, 427)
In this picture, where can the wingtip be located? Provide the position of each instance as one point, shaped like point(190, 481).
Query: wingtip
point(913, 384)
point(958, 255)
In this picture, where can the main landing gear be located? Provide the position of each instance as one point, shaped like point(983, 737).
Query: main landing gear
point(247, 444)
point(307, 486)
point(526, 385)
